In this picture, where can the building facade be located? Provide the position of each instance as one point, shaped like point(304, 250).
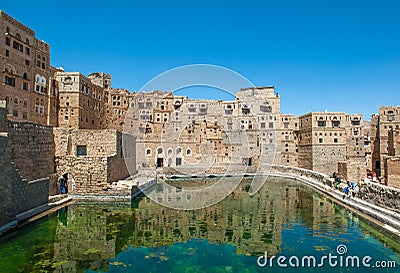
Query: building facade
point(176, 131)
point(27, 78)
point(385, 145)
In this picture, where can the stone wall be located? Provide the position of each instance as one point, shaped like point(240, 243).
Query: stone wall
point(117, 169)
point(28, 195)
point(380, 195)
point(7, 208)
point(342, 170)
point(325, 157)
point(392, 171)
point(88, 174)
point(32, 149)
point(26, 162)
point(351, 170)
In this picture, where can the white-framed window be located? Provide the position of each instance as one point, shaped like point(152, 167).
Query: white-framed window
point(40, 84)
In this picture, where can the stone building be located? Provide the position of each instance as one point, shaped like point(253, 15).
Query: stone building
point(329, 138)
point(83, 100)
point(118, 104)
point(288, 137)
point(93, 159)
point(382, 126)
point(27, 78)
point(385, 145)
point(175, 131)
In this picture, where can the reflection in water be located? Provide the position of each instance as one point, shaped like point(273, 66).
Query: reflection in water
point(283, 217)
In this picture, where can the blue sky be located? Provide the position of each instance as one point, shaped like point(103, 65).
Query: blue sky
point(334, 55)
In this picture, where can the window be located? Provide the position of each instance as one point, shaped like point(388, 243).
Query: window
point(25, 86)
point(148, 151)
point(15, 113)
point(320, 140)
point(81, 150)
point(335, 140)
point(37, 106)
point(335, 123)
point(265, 109)
point(8, 41)
point(188, 152)
point(271, 125)
point(27, 62)
point(27, 51)
point(41, 107)
point(7, 53)
point(9, 81)
point(321, 123)
point(18, 46)
point(25, 115)
point(286, 125)
point(159, 150)
point(192, 108)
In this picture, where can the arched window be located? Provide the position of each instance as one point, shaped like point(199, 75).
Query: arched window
point(160, 150)
point(188, 152)
point(178, 150)
point(16, 101)
point(18, 36)
point(170, 151)
point(25, 103)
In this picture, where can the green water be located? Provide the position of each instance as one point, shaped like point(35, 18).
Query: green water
point(283, 219)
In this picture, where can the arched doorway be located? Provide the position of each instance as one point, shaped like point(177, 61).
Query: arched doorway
point(69, 182)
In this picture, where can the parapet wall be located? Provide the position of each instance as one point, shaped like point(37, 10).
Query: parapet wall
point(374, 193)
point(28, 195)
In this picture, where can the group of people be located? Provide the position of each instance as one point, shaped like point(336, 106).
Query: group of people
point(351, 189)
